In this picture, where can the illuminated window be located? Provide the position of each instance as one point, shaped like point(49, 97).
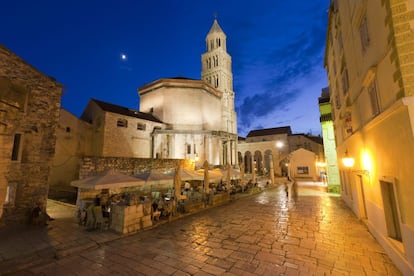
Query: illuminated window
point(122, 123)
point(303, 170)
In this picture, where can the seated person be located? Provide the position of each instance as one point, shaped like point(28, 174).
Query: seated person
point(39, 216)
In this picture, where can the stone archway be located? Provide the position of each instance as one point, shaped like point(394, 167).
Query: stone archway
point(258, 158)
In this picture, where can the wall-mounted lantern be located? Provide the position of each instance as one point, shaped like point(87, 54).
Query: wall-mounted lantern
point(347, 160)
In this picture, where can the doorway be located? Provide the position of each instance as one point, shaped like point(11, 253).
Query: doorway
point(361, 198)
point(391, 210)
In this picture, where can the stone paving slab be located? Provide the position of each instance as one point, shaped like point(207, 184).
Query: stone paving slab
point(264, 234)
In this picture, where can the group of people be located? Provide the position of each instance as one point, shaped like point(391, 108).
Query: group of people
point(291, 189)
point(163, 208)
point(85, 211)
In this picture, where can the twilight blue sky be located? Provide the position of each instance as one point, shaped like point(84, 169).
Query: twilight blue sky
point(277, 50)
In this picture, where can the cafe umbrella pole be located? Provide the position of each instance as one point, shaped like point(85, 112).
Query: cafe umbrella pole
point(206, 181)
point(177, 185)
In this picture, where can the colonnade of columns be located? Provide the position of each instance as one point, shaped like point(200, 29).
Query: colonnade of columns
point(264, 163)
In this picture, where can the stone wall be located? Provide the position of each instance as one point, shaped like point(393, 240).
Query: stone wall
point(29, 107)
point(129, 219)
point(91, 166)
point(128, 141)
point(74, 139)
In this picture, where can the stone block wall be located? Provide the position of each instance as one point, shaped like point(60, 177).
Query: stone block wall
point(219, 199)
point(127, 141)
point(91, 166)
point(74, 139)
point(29, 107)
point(129, 219)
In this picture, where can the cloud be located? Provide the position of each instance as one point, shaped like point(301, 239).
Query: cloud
point(275, 70)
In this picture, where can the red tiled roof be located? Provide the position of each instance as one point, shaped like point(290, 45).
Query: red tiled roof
point(125, 111)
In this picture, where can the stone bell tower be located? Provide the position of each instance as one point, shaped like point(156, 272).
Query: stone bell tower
point(216, 71)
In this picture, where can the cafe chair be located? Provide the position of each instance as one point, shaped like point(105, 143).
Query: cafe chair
point(90, 217)
point(100, 220)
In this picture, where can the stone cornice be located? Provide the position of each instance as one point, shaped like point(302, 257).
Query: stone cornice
point(179, 83)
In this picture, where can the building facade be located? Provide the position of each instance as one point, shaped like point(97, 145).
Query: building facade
point(178, 118)
point(74, 140)
point(29, 113)
point(272, 149)
point(119, 131)
point(329, 144)
point(202, 124)
point(369, 62)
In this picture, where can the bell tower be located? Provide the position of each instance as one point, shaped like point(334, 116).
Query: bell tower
point(216, 71)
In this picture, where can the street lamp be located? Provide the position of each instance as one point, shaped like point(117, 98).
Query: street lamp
point(279, 145)
point(347, 160)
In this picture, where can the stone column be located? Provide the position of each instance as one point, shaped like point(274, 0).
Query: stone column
point(233, 156)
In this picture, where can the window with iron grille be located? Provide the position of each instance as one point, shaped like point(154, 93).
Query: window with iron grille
point(373, 96)
point(345, 82)
point(363, 33)
point(122, 123)
point(141, 126)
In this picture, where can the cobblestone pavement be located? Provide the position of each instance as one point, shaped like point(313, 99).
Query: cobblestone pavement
point(264, 234)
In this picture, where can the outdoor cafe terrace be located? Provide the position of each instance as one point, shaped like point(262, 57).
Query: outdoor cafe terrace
point(129, 203)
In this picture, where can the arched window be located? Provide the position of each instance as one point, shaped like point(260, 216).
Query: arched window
point(215, 60)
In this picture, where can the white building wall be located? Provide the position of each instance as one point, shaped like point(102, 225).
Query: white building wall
point(183, 106)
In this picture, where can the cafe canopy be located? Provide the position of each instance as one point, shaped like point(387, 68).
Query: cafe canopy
point(107, 180)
